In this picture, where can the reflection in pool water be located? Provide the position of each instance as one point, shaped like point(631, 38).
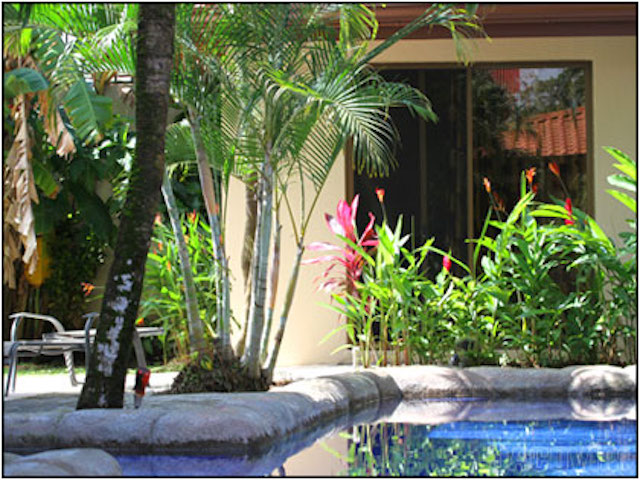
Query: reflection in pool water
point(522, 448)
point(460, 437)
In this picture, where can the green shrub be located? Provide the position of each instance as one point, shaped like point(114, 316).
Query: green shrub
point(551, 290)
point(163, 302)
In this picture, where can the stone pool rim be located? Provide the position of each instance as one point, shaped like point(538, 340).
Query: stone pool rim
point(244, 423)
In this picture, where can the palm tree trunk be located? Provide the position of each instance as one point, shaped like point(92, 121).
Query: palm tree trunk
point(104, 386)
point(213, 212)
point(284, 316)
point(260, 264)
point(251, 210)
point(194, 322)
point(273, 291)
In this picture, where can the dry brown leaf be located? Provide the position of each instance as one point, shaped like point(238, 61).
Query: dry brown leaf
point(18, 177)
point(57, 133)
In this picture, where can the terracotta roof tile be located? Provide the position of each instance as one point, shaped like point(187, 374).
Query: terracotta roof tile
point(552, 134)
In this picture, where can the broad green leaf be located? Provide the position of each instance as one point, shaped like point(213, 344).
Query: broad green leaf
point(23, 80)
point(622, 181)
point(625, 199)
point(626, 165)
point(43, 177)
point(88, 112)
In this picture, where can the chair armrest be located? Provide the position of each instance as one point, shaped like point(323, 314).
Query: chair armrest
point(17, 318)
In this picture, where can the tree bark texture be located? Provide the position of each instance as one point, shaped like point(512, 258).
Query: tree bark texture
point(104, 386)
point(194, 322)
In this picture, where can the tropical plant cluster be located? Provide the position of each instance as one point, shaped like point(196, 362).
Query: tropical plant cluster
point(549, 288)
point(266, 93)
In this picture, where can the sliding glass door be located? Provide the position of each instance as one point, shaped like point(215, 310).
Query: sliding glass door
point(493, 122)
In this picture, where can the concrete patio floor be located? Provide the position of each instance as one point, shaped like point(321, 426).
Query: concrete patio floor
point(32, 384)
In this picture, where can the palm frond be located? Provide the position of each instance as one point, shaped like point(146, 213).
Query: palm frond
point(179, 146)
point(460, 22)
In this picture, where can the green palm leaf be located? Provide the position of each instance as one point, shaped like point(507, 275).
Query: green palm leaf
point(88, 112)
point(23, 80)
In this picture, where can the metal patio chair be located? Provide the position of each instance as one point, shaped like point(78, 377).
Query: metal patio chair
point(61, 342)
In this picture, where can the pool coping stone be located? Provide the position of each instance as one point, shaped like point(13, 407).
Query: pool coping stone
point(246, 422)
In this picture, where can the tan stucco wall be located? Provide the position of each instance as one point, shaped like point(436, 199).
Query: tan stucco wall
point(309, 321)
point(614, 123)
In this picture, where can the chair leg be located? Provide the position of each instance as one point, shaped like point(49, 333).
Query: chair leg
point(139, 351)
point(13, 365)
point(68, 360)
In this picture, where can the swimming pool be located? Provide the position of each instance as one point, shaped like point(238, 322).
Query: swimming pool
point(452, 437)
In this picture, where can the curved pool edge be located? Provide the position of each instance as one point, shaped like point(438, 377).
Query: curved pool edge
point(248, 422)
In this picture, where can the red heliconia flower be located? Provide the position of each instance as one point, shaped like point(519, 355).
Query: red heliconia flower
point(553, 166)
point(380, 194)
point(487, 184)
point(140, 321)
point(446, 263)
point(530, 173)
point(534, 188)
point(569, 208)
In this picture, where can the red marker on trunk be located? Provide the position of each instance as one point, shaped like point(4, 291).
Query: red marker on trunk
point(142, 380)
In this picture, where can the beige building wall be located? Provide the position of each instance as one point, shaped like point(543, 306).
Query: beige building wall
point(614, 104)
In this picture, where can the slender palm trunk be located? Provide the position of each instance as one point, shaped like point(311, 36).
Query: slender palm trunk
point(284, 316)
point(260, 264)
point(194, 322)
point(273, 291)
point(251, 210)
point(213, 213)
point(104, 386)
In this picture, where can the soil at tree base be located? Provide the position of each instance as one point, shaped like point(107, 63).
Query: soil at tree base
point(216, 374)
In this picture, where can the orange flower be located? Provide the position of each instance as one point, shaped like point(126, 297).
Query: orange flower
point(87, 288)
point(140, 322)
point(534, 188)
point(160, 246)
point(158, 219)
point(487, 184)
point(553, 166)
point(168, 265)
point(380, 194)
point(530, 173)
point(499, 202)
point(191, 216)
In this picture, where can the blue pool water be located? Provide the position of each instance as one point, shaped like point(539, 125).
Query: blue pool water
point(477, 443)
point(511, 449)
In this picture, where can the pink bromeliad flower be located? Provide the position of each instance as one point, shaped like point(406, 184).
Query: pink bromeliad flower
point(344, 224)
